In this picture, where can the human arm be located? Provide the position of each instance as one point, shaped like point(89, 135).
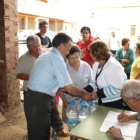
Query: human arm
point(130, 58)
point(126, 118)
point(23, 68)
point(62, 96)
point(23, 76)
point(64, 80)
point(123, 61)
point(138, 75)
point(115, 133)
point(114, 77)
point(50, 44)
point(118, 55)
point(75, 91)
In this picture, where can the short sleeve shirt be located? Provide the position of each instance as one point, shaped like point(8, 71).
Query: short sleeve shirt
point(25, 65)
point(49, 73)
point(135, 68)
point(45, 41)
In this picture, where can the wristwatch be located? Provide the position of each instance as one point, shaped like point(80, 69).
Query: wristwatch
point(120, 138)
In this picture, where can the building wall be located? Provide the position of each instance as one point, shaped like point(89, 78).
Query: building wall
point(122, 20)
point(50, 11)
point(9, 86)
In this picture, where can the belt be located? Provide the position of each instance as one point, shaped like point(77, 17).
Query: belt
point(38, 94)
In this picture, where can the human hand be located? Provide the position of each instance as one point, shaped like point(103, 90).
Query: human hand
point(87, 96)
point(124, 60)
point(123, 63)
point(114, 132)
point(61, 90)
point(122, 118)
point(94, 95)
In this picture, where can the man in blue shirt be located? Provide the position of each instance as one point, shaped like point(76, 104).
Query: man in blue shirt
point(48, 75)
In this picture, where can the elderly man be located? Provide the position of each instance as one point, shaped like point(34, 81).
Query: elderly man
point(23, 71)
point(131, 96)
point(49, 74)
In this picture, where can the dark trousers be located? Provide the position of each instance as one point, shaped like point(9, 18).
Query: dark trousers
point(56, 122)
point(40, 112)
point(128, 75)
point(24, 94)
point(113, 52)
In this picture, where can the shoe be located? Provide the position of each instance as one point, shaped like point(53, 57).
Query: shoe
point(62, 133)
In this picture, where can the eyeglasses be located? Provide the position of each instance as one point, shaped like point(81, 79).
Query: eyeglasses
point(125, 102)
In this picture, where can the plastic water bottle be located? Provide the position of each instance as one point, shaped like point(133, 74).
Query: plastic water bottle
point(83, 112)
point(79, 105)
point(93, 106)
point(72, 115)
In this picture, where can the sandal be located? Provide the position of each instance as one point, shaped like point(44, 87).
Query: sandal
point(62, 133)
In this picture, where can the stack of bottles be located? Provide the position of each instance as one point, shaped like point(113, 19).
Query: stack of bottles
point(77, 112)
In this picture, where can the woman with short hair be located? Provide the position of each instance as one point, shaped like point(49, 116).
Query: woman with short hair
point(125, 56)
point(108, 76)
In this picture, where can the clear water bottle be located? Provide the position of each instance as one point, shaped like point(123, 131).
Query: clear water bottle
point(83, 112)
point(79, 104)
point(93, 106)
point(72, 115)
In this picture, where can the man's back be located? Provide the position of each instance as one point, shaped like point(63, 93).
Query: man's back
point(49, 73)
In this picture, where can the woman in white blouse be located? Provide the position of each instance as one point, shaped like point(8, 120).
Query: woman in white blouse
point(79, 71)
point(108, 76)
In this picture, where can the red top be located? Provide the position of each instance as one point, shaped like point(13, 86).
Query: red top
point(85, 53)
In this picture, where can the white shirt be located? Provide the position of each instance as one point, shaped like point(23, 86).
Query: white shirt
point(114, 43)
point(110, 79)
point(123, 53)
point(25, 65)
point(80, 78)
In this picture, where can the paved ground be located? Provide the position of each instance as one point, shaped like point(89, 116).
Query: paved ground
point(14, 128)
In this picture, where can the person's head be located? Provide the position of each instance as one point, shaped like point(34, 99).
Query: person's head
point(113, 33)
point(34, 45)
point(85, 32)
point(137, 48)
point(131, 94)
point(63, 43)
point(43, 26)
point(125, 43)
point(99, 51)
point(74, 55)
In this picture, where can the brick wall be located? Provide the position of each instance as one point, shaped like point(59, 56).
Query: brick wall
point(9, 85)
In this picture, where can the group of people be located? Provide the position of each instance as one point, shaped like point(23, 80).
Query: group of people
point(86, 70)
point(125, 55)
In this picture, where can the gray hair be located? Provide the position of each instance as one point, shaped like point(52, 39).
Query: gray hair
point(131, 89)
point(32, 39)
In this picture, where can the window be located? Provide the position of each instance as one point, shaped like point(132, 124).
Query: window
point(133, 30)
point(59, 25)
